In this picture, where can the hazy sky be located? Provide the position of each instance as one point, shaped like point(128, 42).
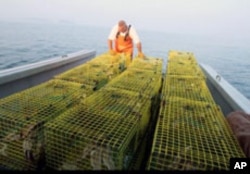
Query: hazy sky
point(227, 17)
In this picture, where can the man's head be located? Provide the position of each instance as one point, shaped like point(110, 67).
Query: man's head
point(122, 26)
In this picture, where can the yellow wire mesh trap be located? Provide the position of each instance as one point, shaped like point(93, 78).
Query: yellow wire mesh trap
point(177, 68)
point(192, 135)
point(86, 139)
point(180, 56)
point(144, 82)
point(138, 160)
point(191, 131)
point(183, 63)
point(109, 103)
point(147, 64)
point(33, 102)
point(96, 72)
point(22, 116)
point(123, 103)
point(194, 88)
point(199, 116)
point(106, 58)
point(16, 145)
point(85, 74)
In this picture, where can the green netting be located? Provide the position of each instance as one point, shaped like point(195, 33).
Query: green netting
point(86, 139)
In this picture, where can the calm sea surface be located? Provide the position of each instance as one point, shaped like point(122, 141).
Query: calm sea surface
point(24, 43)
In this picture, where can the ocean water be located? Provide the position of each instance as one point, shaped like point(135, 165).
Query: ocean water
point(25, 42)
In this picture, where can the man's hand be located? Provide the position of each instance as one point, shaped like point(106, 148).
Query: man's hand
point(112, 52)
point(141, 55)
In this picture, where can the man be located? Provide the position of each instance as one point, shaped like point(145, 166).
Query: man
point(124, 36)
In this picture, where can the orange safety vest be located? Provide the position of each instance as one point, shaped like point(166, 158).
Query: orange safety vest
point(124, 44)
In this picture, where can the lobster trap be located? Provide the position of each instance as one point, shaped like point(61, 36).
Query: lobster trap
point(86, 139)
point(194, 88)
point(191, 131)
point(183, 63)
point(143, 82)
point(192, 135)
point(23, 115)
point(180, 56)
point(89, 74)
point(22, 146)
point(147, 64)
point(177, 68)
point(122, 102)
point(96, 72)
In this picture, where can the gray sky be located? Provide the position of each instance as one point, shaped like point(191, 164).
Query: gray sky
point(220, 17)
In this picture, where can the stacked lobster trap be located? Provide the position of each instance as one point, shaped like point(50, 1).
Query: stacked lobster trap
point(23, 115)
point(97, 72)
point(105, 131)
point(87, 139)
point(191, 132)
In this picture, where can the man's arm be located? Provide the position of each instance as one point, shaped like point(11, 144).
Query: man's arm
point(111, 37)
point(140, 54)
point(138, 45)
point(137, 41)
point(110, 44)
